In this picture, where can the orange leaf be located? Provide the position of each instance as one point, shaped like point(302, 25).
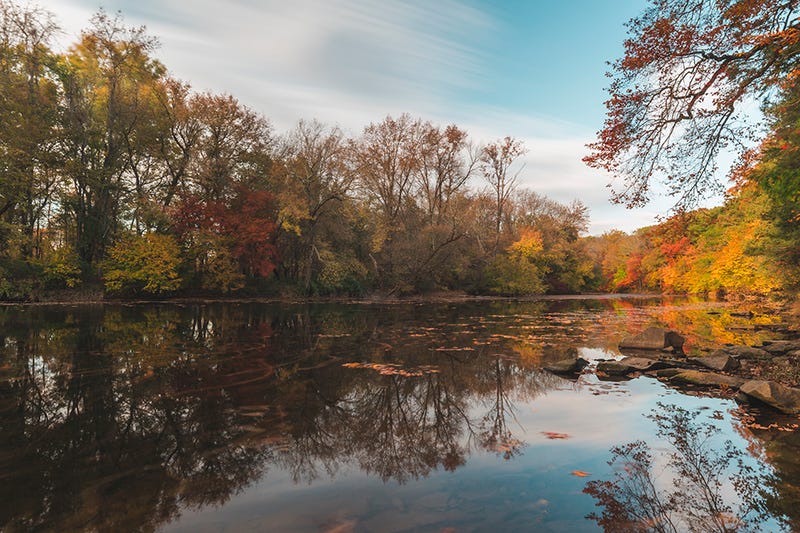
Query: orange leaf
point(555, 435)
point(579, 473)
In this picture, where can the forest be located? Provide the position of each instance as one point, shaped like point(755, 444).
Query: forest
point(117, 179)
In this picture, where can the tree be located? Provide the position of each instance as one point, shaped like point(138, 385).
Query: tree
point(677, 92)
point(107, 78)
point(28, 117)
point(446, 163)
point(496, 161)
point(143, 264)
point(317, 180)
point(228, 239)
point(233, 149)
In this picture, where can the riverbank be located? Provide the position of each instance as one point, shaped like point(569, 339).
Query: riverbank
point(763, 374)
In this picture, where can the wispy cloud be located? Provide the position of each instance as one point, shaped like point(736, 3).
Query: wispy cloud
point(391, 55)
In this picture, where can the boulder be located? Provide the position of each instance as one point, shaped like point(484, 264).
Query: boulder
point(783, 398)
point(743, 352)
point(567, 366)
point(708, 379)
point(653, 339)
point(722, 362)
point(781, 347)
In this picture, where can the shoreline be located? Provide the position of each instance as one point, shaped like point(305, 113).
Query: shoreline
point(366, 300)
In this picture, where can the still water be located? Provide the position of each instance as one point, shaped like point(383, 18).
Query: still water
point(356, 417)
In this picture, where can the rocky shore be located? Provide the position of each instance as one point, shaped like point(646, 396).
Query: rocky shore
point(767, 374)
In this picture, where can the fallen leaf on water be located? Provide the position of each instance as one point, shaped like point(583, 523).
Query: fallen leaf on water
point(579, 473)
point(555, 435)
point(346, 526)
point(391, 369)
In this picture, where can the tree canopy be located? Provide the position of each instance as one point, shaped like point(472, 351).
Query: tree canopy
point(679, 94)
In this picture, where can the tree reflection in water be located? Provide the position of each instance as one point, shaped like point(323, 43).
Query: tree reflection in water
point(642, 498)
point(118, 418)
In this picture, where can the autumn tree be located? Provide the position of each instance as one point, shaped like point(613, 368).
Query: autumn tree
point(496, 164)
point(234, 147)
point(106, 77)
point(28, 135)
point(564, 261)
point(316, 182)
point(446, 161)
point(146, 264)
point(677, 94)
point(228, 240)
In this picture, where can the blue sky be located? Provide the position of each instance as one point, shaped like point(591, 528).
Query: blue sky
point(530, 69)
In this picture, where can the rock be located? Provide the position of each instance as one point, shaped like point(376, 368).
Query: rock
point(698, 377)
point(674, 363)
point(669, 372)
point(782, 398)
point(653, 339)
point(722, 362)
point(743, 352)
point(632, 364)
point(567, 366)
point(781, 347)
point(615, 368)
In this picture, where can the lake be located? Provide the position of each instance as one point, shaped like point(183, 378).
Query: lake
point(377, 417)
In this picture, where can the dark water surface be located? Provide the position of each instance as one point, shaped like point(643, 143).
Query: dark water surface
point(405, 417)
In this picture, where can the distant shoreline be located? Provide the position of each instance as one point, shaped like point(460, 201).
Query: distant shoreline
point(367, 300)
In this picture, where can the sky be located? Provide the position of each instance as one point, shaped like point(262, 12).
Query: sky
point(531, 69)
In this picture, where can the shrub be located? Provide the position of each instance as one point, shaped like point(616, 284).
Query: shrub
point(147, 263)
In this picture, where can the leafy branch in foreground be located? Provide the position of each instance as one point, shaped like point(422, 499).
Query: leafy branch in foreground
point(677, 95)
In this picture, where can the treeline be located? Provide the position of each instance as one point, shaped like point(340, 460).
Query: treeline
point(115, 175)
point(744, 248)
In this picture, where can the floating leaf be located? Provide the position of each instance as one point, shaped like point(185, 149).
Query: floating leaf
point(554, 435)
point(391, 369)
point(580, 473)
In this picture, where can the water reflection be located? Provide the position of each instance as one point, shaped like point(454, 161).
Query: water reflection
point(124, 417)
point(689, 492)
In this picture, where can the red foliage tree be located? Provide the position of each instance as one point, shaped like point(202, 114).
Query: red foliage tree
point(246, 222)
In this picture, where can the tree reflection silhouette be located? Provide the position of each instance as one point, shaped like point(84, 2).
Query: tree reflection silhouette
point(117, 418)
point(697, 498)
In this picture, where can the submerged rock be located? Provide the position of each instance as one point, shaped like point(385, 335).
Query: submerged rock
point(708, 379)
point(783, 398)
point(717, 361)
point(567, 366)
point(653, 339)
